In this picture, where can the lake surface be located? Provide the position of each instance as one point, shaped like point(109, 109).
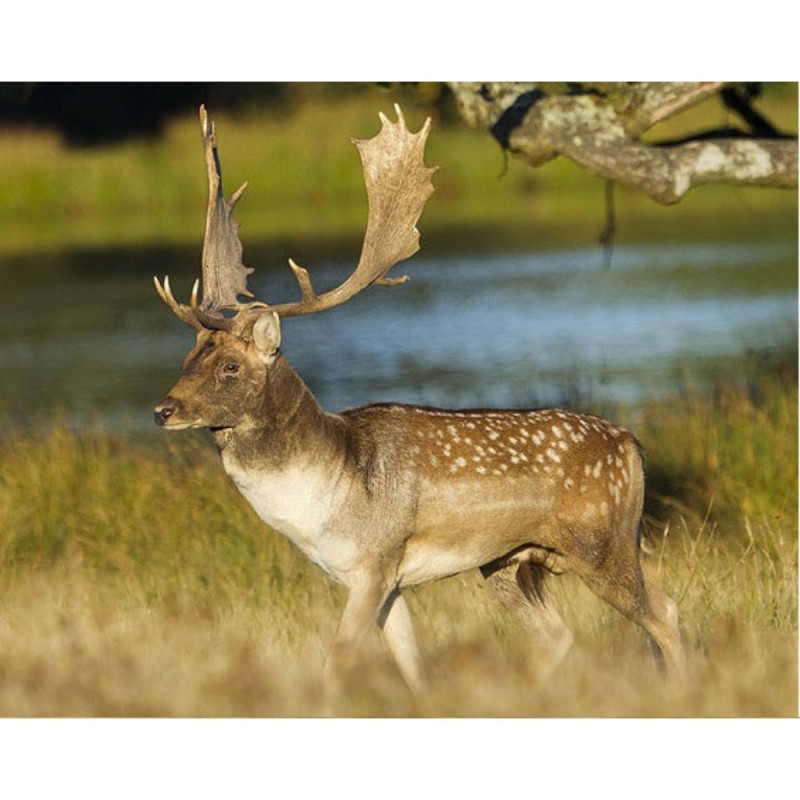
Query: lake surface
point(86, 334)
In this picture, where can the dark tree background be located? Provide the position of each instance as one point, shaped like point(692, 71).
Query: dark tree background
point(94, 113)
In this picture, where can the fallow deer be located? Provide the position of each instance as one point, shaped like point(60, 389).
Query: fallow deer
point(390, 496)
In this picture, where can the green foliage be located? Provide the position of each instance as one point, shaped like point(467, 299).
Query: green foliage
point(731, 456)
point(304, 181)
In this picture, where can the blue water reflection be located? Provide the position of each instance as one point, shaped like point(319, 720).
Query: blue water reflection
point(502, 330)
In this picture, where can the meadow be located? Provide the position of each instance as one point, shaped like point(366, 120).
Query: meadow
point(136, 582)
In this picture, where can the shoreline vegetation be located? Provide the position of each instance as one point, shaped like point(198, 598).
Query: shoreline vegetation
point(304, 186)
point(136, 582)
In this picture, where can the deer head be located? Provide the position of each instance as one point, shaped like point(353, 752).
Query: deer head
point(238, 342)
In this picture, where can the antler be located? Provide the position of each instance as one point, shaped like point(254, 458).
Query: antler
point(224, 274)
point(398, 185)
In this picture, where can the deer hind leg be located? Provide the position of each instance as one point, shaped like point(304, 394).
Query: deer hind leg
point(619, 581)
point(520, 588)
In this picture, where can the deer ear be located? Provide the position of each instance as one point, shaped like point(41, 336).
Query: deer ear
point(267, 334)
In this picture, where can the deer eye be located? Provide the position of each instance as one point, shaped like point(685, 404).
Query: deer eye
point(230, 368)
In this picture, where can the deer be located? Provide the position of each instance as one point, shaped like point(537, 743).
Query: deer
point(389, 496)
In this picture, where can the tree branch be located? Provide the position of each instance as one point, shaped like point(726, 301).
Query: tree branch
point(599, 130)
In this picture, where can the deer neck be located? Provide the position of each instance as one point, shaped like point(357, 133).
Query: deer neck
point(290, 463)
point(287, 427)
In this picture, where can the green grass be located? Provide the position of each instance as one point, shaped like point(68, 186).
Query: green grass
point(136, 582)
point(305, 182)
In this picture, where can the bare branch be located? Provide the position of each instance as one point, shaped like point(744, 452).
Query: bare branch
point(599, 129)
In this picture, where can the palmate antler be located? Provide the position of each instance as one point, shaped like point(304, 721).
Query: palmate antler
point(398, 184)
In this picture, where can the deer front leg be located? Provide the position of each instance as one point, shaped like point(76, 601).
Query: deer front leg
point(367, 595)
point(398, 629)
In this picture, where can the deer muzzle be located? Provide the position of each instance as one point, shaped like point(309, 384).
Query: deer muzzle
point(167, 414)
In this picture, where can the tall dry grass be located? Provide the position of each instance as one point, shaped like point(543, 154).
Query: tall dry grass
point(136, 582)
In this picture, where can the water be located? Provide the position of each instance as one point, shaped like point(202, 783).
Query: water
point(87, 335)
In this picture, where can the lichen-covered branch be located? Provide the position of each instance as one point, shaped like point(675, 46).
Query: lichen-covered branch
point(598, 127)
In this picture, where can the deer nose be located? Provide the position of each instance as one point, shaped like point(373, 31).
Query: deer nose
point(163, 412)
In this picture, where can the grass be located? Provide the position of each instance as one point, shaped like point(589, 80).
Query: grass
point(136, 582)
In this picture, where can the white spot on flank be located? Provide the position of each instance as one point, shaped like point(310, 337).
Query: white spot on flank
point(552, 455)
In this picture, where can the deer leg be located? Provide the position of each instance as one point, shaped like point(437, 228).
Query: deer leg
point(662, 624)
point(365, 600)
point(520, 588)
point(620, 582)
point(398, 629)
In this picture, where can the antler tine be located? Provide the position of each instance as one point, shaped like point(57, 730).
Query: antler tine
point(398, 185)
point(182, 311)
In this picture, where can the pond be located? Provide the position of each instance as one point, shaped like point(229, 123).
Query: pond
point(84, 334)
